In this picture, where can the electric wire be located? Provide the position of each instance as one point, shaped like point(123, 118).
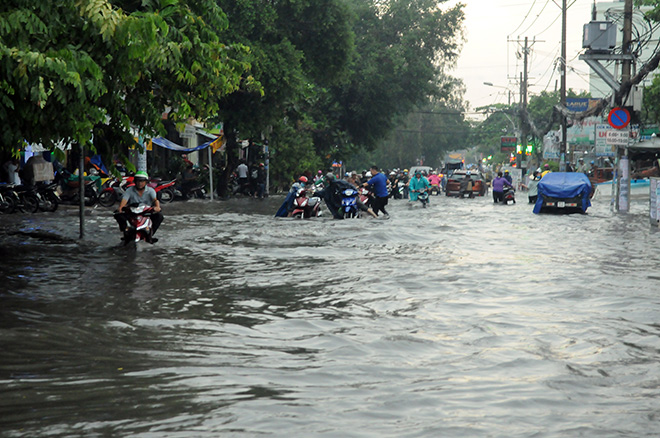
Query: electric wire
point(523, 20)
point(537, 17)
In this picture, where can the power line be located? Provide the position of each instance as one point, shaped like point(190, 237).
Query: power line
point(525, 18)
point(537, 17)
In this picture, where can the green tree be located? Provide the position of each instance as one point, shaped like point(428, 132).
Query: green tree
point(69, 66)
point(296, 48)
point(403, 48)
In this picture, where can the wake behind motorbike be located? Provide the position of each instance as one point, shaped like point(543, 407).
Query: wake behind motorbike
point(305, 206)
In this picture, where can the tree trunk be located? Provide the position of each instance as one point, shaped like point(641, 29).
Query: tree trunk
point(224, 190)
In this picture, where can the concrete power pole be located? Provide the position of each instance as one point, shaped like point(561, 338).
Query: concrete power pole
point(523, 107)
point(562, 152)
point(622, 200)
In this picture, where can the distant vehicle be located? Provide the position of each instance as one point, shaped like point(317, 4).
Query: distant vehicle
point(563, 192)
point(423, 169)
point(453, 187)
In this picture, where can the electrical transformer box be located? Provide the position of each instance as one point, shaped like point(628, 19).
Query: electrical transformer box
point(599, 36)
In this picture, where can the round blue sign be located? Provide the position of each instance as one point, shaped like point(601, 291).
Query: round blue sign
point(619, 118)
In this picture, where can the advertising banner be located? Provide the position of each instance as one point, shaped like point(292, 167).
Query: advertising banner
point(624, 185)
point(551, 145)
point(583, 132)
point(654, 212)
point(601, 147)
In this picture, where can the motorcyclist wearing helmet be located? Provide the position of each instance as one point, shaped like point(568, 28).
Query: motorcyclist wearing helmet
point(467, 185)
point(332, 193)
point(287, 206)
point(417, 184)
point(546, 170)
point(140, 194)
point(582, 166)
point(507, 176)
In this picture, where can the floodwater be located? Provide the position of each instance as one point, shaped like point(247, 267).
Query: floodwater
point(466, 319)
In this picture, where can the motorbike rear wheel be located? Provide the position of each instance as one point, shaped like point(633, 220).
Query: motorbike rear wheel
point(51, 202)
point(7, 205)
point(166, 196)
point(29, 203)
point(108, 198)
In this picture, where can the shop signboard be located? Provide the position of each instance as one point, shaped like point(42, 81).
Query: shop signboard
point(508, 144)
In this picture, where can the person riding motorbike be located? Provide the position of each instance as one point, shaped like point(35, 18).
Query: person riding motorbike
point(467, 186)
point(287, 206)
point(140, 194)
point(417, 184)
point(332, 195)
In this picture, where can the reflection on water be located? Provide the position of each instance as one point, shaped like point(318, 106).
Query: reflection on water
point(464, 319)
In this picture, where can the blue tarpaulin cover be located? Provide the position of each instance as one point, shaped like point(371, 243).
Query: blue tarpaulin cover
point(564, 185)
point(165, 143)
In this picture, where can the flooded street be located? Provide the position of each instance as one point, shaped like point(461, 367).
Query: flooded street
point(465, 319)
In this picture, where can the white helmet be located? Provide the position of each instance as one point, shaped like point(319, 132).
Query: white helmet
point(368, 175)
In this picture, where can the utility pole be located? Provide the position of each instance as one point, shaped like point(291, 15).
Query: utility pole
point(562, 151)
point(623, 162)
point(523, 107)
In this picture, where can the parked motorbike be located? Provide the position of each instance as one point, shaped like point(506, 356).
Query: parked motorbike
point(68, 189)
point(113, 189)
point(306, 207)
point(349, 203)
point(47, 196)
point(24, 198)
point(509, 196)
point(139, 224)
point(165, 190)
point(7, 203)
point(190, 191)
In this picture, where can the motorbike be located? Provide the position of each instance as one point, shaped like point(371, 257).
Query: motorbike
point(68, 189)
point(47, 196)
point(304, 206)
point(349, 206)
point(165, 190)
point(509, 196)
point(435, 190)
point(398, 190)
point(139, 224)
point(423, 197)
point(7, 203)
point(24, 198)
point(189, 191)
point(365, 196)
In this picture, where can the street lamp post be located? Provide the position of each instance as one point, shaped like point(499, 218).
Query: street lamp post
point(490, 84)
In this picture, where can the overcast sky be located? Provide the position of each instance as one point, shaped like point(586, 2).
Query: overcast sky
point(488, 56)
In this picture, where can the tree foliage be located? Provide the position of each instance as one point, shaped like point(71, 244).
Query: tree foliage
point(71, 65)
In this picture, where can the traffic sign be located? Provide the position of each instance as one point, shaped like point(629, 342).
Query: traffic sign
point(619, 118)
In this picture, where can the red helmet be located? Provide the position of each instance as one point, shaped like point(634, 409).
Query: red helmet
point(303, 179)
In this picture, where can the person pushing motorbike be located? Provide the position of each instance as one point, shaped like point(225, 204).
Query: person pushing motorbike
point(142, 195)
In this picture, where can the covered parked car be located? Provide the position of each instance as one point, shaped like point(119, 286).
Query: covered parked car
point(453, 187)
point(563, 192)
